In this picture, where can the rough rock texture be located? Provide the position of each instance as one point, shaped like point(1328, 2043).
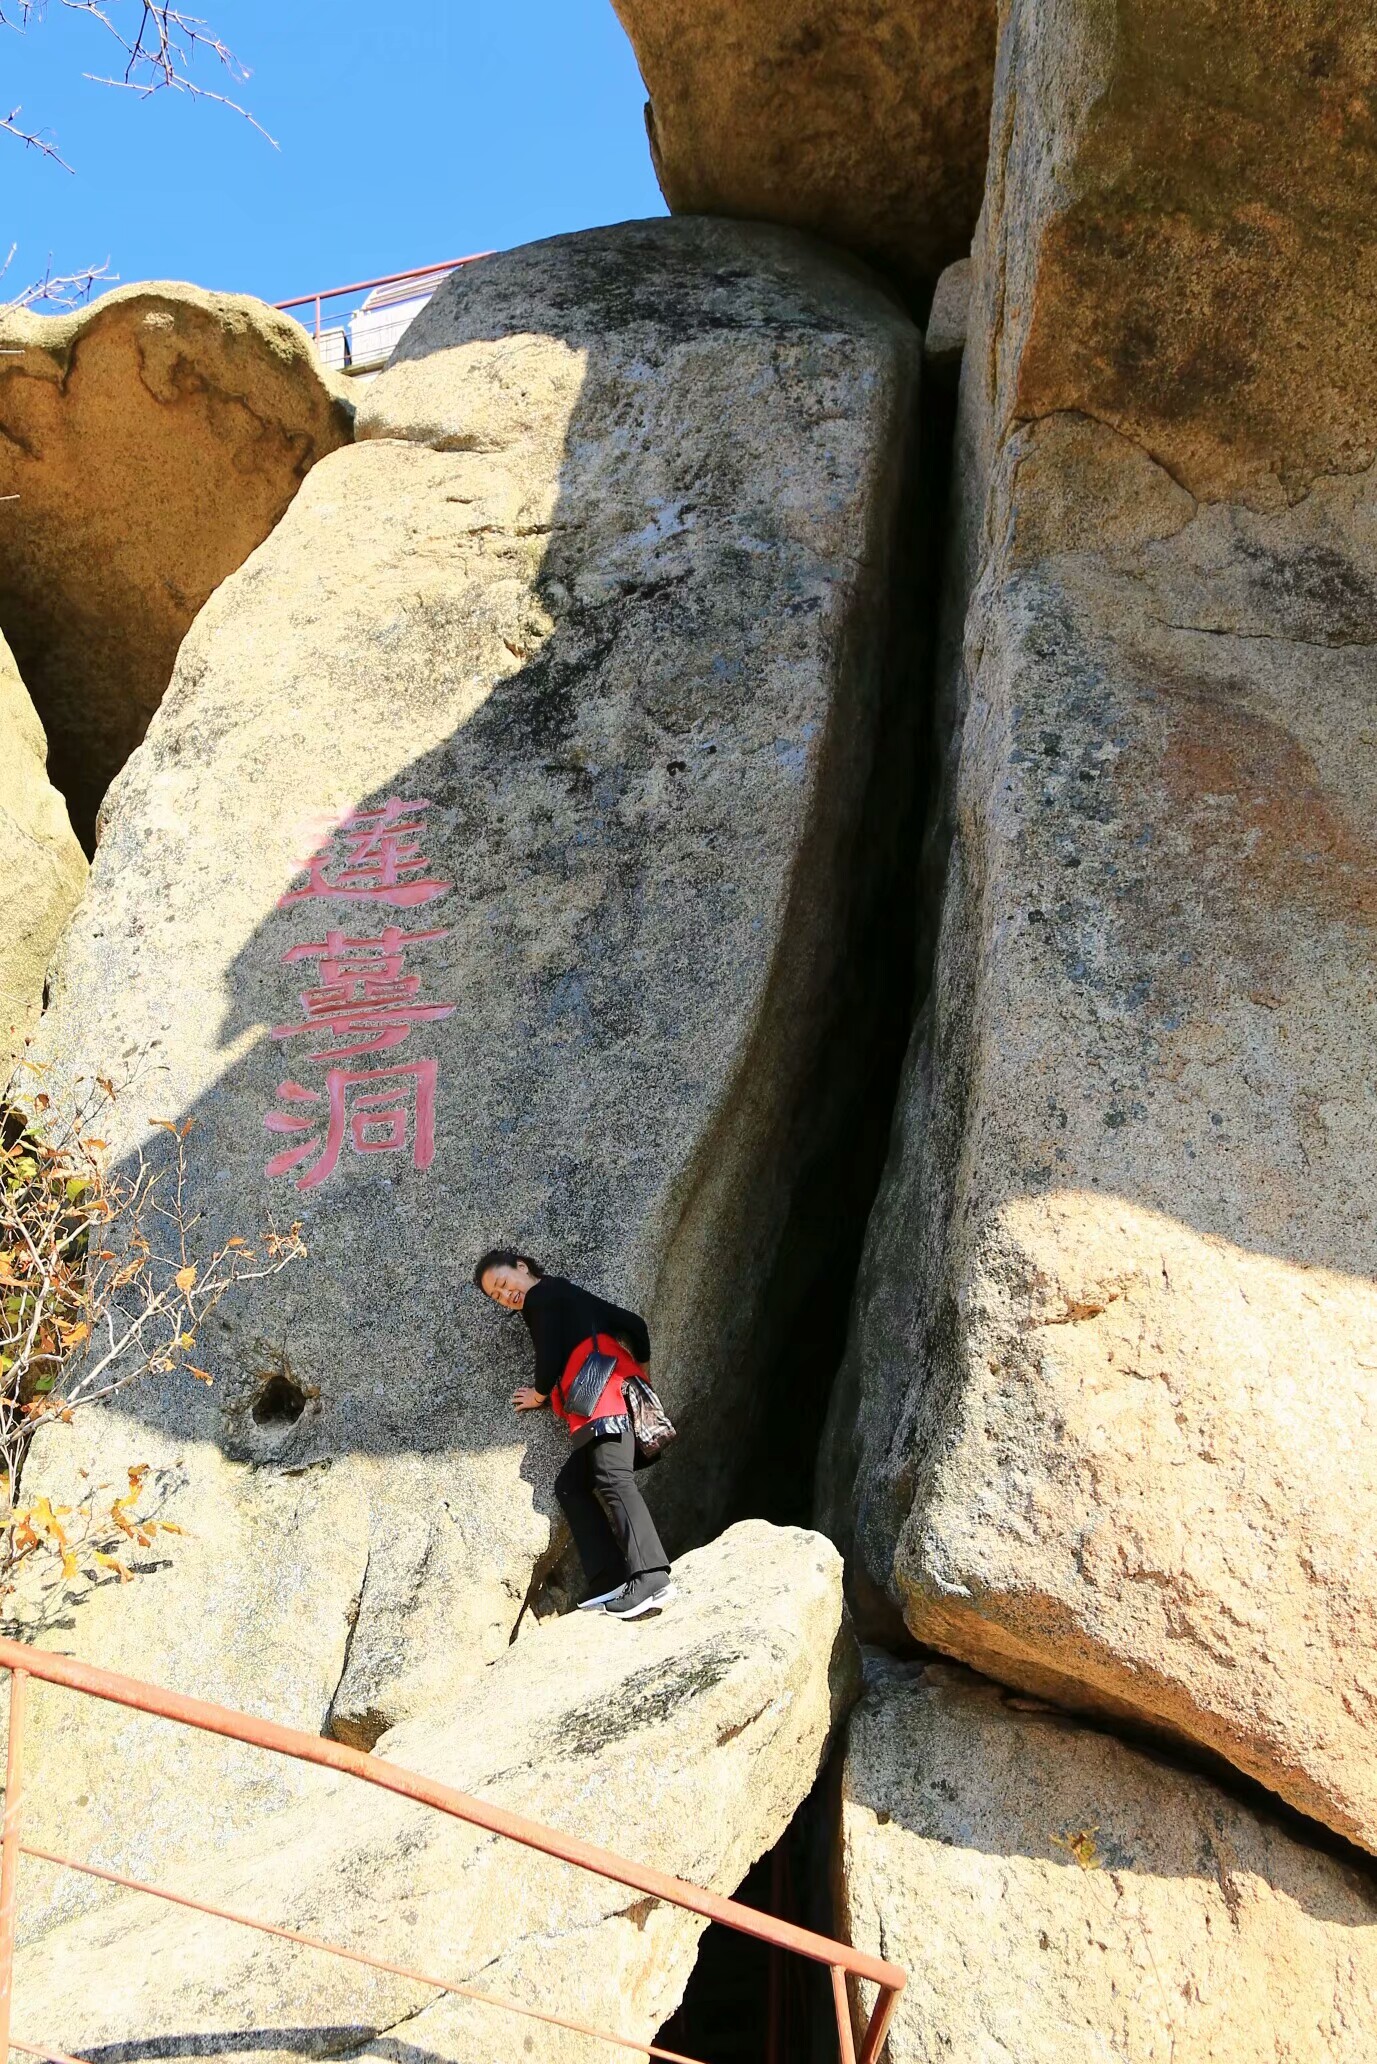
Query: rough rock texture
point(42, 867)
point(866, 122)
point(685, 1742)
point(611, 599)
point(1060, 1898)
point(1182, 195)
point(1110, 1406)
point(153, 439)
point(944, 336)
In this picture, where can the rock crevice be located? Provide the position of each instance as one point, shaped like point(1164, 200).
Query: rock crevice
point(42, 869)
point(1138, 1069)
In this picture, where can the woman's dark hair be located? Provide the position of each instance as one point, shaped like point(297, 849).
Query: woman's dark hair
point(504, 1257)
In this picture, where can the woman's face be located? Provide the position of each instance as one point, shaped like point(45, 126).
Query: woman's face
point(506, 1285)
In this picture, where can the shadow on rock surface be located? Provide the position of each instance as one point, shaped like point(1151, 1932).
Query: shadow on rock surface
point(607, 588)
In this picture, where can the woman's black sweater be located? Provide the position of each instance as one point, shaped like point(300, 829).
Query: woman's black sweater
point(561, 1317)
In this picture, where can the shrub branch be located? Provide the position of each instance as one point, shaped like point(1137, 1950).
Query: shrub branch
point(105, 1282)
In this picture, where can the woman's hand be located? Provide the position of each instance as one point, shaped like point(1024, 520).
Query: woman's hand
point(528, 1400)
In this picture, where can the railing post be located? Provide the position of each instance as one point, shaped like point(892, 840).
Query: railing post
point(846, 2046)
point(875, 2034)
point(317, 340)
point(9, 1851)
point(774, 2027)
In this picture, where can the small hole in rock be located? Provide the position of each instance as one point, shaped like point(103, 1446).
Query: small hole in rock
point(280, 1402)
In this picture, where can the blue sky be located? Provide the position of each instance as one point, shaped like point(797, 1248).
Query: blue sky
point(410, 133)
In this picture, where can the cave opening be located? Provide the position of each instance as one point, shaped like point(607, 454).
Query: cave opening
point(746, 2003)
point(887, 968)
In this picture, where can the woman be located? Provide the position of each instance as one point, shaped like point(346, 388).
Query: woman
point(625, 1565)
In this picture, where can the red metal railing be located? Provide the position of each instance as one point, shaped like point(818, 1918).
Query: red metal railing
point(386, 279)
point(23, 1662)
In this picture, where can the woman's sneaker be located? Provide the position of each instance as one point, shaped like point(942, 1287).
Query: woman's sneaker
point(601, 1598)
point(644, 1594)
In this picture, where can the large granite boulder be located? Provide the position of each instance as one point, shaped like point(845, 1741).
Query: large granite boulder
point(1107, 1424)
point(571, 674)
point(42, 868)
point(152, 438)
point(866, 122)
point(1058, 1897)
point(685, 1743)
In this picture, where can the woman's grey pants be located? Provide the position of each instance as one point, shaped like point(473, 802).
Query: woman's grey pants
point(613, 1531)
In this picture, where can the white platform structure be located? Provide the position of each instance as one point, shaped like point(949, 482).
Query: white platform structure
point(359, 344)
point(377, 324)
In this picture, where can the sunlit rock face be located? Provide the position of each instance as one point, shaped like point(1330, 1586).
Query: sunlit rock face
point(483, 875)
point(1059, 1897)
point(149, 441)
point(42, 869)
point(1106, 1426)
point(864, 121)
point(685, 1742)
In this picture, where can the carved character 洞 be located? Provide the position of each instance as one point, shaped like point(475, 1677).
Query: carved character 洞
point(377, 1110)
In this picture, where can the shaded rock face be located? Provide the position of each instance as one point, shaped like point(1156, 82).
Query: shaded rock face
point(866, 123)
point(944, 335)
point(42, 868)
point(1106, 1426)
point(1058, 1897)
point(153, 439)
point(601, 600)
point(686, 1742)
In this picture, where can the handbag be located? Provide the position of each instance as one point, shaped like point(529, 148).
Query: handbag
point(581, 1396)
point(651, 1425)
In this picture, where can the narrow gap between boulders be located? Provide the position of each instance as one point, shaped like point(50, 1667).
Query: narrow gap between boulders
point(741, 2001)
point(851, 1096)
point(744, 2001)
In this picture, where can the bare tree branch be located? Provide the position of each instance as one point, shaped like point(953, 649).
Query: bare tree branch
point(32, 139)
point(159, 53)
point(58, 289)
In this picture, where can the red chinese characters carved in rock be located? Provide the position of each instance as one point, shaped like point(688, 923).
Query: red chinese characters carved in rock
point(376, 1110)
point(364, 1001)
point(373, 856)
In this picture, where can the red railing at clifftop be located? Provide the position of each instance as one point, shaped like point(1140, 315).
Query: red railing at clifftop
point(385, 279)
